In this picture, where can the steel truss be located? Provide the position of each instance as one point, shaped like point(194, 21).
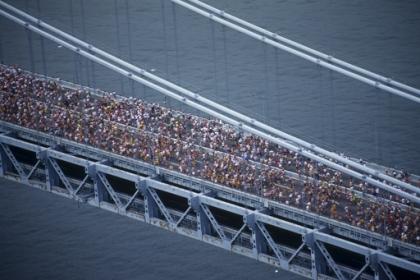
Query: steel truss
point(257, 236)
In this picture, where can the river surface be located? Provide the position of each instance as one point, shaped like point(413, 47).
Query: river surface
point(43, 236)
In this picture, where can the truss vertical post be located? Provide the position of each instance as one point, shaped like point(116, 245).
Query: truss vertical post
point(98, 189)
point(1, 45)
point(52, 178)
point(381, 270)
point(257, 239)
point(319, 265)
point(5, 164)
point(41, 155)
point(203, 223)
point(150, 206)
point(101, 193)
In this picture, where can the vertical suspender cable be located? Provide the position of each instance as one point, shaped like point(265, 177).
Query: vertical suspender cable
point(88, 62)
point(31, 50)
point(1, 43)
point(165, 44)
point(225, 55)
point(321, 102)
point(176, 42)
point(30, 46)
point(130, 54)
point(82, 14)
point(390, 122)
point(177, 70)
point(266, 87)
point(276, 81)
point(332, 97)
point(117, 24)
point(44, 63)
point(377, 131)
point(76, 56)
point(214, 52)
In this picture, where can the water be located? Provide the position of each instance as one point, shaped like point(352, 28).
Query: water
point(287, 92)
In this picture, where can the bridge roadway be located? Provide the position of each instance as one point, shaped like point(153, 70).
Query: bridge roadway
point(293, 239)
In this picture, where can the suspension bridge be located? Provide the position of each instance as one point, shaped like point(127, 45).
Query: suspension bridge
point(252, 224)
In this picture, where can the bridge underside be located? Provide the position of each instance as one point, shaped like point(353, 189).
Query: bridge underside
point(234, 221)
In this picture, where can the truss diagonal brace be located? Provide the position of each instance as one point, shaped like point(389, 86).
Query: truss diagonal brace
point(270, 241)
point(330, 260)
point(110, 190)
point(81, 185)
point(296, 253)
point(237, 233)
point(183, 216)
point(131, 199)
point(387, 271)
point(213, 221)
point(33, 169)
point(161, 206)
point(61, 175)
point(14, 161)
point(360, 271)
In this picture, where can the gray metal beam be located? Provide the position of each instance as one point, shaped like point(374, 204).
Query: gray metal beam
point(387, 271)
point(161, 206)
point(117, 172)
point(213, 221)
point(33, 169)
point(5, 148)
point(19, 143)
point(67, 158)
point(330, 260)
point(81, 185)
point(237, 234)
point(131, 199)
point(183, 216)
point(110, 190)
point(61, 175)
point(291, 258)
point(280, 256)
point(359, 273)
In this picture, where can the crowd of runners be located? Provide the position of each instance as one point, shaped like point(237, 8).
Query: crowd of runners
point(205, 148)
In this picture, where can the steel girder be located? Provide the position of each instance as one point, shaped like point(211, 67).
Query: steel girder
point(264, 247)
